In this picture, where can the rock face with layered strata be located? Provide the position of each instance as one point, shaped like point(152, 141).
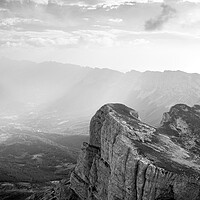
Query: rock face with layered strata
point(130, 160)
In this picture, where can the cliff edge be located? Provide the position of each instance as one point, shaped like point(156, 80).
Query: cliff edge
point(127, 159)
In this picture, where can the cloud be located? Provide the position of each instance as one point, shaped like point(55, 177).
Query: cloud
point(16, 21)
point(61, 39)
point(54, 38)
point(116, 20)
point(91, 22)
point(193, 1)
point(40, 1)
point(37, 39)
point(157, 23)
point(190, 18)
point(27, 1)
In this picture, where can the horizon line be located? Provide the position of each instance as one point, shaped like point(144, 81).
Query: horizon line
point(95, 67)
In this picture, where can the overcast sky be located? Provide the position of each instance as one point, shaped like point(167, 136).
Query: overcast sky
point(118, 34)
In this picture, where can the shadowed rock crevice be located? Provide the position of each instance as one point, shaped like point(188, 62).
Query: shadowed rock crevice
point(166, 194)
point(127, 159)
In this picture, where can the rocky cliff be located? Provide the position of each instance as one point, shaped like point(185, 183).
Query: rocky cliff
point(128, 159)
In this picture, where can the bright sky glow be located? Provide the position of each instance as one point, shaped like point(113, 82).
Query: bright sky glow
point(118, 34)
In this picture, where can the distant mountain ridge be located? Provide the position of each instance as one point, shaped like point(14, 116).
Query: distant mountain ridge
point(63, 91)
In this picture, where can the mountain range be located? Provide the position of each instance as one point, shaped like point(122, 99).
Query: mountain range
point(45, 109)
point(54, 97)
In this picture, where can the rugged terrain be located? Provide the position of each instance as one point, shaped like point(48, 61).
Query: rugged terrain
point(45, 110)
point(129, 159)
point(27, 156)
point(34, 163)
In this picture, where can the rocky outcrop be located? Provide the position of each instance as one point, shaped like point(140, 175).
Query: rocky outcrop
point(127, 159)
point(58, 191)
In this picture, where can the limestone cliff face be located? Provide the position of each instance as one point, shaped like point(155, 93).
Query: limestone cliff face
point(130, 160)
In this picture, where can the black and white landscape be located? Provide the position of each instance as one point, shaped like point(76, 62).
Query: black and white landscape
point(46, 109)
point(99, 100)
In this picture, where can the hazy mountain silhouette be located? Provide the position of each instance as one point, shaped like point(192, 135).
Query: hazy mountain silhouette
point(71, 91)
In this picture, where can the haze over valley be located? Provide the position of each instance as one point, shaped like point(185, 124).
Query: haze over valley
point(99, 99)
point(46, 108)
point(61, 98)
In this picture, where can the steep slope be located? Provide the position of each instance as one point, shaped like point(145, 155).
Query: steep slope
point(128, 159)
